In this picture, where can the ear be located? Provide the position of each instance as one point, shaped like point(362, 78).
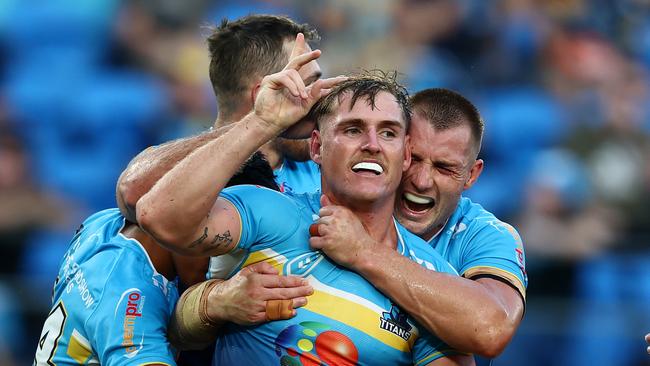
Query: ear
point(474, 173)
point(315, 147)
point(254, 92)
point(407, 153)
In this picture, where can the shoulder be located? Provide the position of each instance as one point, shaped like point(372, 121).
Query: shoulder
point(252, 192)
point(477, 223)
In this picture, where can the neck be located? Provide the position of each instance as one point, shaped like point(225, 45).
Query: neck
point(376, 217)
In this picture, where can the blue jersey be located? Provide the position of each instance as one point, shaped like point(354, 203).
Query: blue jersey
point(346, 320)
point(109, 305)
point(298, 177)
point(476, 243)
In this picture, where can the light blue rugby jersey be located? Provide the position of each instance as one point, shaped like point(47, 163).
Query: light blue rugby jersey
point(476, 243)
point(298, 177)
point(109, 305)
point(346, 321)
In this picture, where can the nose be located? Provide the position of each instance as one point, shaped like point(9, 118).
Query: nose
point(422, 177)
point(371, 143)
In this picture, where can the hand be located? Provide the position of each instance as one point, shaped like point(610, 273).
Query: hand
point(242, 299)
point(283, 98)
point(341, 235)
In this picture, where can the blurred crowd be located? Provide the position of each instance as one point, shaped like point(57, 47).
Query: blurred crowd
point(563, 86)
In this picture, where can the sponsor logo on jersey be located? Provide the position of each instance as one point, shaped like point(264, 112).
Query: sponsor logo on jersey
point(395, 321)
point(132, 312)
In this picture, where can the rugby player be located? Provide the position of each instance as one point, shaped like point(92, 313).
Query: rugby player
point(478, 316)
point(114, 293)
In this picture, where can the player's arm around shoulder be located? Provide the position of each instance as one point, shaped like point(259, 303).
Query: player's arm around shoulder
point(495, 259)
point(214, 235)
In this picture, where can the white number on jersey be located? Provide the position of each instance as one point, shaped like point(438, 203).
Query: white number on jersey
point(50, 335)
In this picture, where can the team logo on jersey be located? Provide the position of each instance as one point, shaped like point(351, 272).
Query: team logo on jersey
point(395, 321)
point(304, 264)
point(132, 312)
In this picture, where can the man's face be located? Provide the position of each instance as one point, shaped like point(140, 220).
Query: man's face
point(362, 151)
point(443, 166)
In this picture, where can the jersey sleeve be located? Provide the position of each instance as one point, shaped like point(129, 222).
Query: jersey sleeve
point(129, 325)
point(428, 348)
point(267, 216)
point(496, 249)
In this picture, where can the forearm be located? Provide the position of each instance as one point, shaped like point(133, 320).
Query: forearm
point(180, 202)
point(150, 165)
point(190, 326)
point(461, 312)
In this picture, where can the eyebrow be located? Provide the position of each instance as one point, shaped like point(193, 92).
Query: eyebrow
point(359, 121)
point(449, 164)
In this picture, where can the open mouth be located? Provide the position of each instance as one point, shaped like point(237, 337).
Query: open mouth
point(368, 167)
point(417, 203)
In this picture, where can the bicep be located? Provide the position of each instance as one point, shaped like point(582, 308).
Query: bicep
point(510, 298)
point(220, 232)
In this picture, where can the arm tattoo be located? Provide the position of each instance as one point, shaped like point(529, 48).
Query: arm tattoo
point(219, 240)
point(201, 239)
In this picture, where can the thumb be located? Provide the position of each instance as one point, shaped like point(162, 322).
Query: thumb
point(325, 201)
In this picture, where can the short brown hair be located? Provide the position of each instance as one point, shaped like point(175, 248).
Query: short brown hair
point(446, 109)
point(249, 47)
point(367, 85)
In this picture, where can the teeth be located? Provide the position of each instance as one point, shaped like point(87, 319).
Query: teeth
point(417, 199)
point(368, 166)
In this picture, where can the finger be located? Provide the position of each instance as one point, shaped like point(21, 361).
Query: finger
point(263, 268)
point(316, 242)
point(325, 220)
point(283, 281)
point(287, 293)
point(324, 201)
point(284, 80)
point(313, 230)
point(300, 84)
point(325, 211)
point(279, 309)
point(324, 92)
point(299, 46)
point(321, 84)
point(299, 302)
point(299, 61)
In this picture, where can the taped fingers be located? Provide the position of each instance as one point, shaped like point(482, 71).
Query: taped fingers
point(279, 309)
point(313, 230)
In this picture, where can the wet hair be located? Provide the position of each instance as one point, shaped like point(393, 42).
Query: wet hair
point(256, 170)
point(248, 48)
point(366, 85)
point(446, 109)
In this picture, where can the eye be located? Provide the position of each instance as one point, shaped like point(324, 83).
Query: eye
point(387, 134)
point(352, 131)
point(444, 169)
